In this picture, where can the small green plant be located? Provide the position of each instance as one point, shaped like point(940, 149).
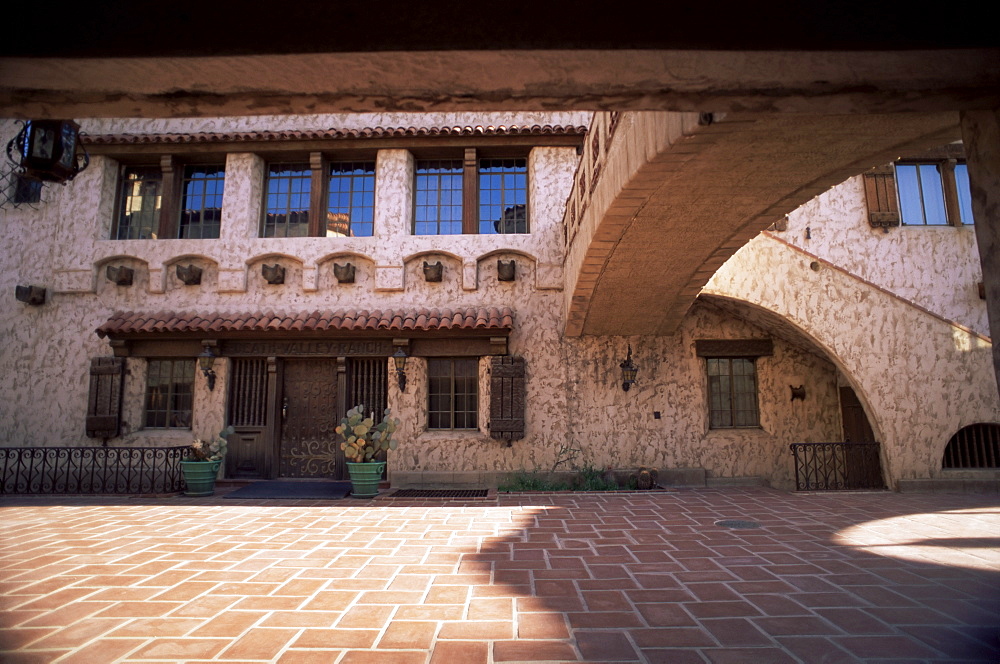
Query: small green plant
point(363, 439)
point(594, 479)
point(213, 449)
point(524, 481)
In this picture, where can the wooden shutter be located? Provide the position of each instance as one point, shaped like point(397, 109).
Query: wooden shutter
point(104, 405)
point(880, 192)
point(507, 398)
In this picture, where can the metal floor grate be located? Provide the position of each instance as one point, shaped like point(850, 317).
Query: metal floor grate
point(440, 493)
point(737, 523)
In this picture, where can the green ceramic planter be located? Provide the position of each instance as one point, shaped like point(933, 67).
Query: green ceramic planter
point(365, 478)
point(199, 476)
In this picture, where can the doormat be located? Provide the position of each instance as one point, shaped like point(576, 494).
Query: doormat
point(286, 490)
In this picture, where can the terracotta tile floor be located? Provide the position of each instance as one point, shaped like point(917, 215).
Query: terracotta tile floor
point(627, 577)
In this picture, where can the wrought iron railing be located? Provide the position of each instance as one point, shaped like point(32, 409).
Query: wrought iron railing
point(837, 466)
point(91, 470)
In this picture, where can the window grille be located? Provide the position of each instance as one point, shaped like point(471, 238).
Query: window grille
point(974, 446)
point(369, 385)
point(351, 202)
point(248, 392)
point(438, 198)
point(286, 204)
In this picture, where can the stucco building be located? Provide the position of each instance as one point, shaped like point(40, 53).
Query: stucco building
point(304, 252)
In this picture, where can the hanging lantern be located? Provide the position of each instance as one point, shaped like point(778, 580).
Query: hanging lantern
point(46, 150)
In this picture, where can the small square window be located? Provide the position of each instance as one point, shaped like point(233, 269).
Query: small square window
point(732, 393)
point(169, 394)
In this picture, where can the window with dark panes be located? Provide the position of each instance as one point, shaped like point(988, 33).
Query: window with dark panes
point(286, 200)
point(438, 198)
point(503, 196)
point(351, 200)
point(732, 391)
point(169, 394)
point(139, 204)
point(453, 393)
point(201, 201)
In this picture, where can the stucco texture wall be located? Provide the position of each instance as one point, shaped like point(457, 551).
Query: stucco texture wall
point(62, 244)
point(919, 376)
point(615, 428)
point(935, 267)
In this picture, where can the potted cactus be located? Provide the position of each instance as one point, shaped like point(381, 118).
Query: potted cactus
point(200, 464)
point(363, 440)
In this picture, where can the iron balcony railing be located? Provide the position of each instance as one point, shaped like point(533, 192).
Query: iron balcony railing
point(91, 470)
point(837, 466)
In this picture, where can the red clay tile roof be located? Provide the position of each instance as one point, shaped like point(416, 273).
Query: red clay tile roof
point(422, 320)
point(367, 132)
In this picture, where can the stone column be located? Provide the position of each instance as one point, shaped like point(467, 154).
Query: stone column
point(393, 214)
point(981, 135)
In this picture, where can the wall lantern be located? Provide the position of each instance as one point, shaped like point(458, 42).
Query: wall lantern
point(399, 359)
point(206, 360)
point(46, 150)
point(629, 370)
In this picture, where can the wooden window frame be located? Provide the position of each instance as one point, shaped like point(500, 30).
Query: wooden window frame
point(311, 222)
point(354, 179)
point(734, 394)
point(171, 394)
point(882, 190)
point(479, 191)
point(452, 378)
point(471, 159)
point(320, 177)
point(172, 173)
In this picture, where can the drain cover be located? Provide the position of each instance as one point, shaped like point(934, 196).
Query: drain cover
point(440, 493)
point(737, 523)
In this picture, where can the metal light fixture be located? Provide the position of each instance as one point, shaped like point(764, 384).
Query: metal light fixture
point(206, 360)
point(46, 150)
point(629, 370)
point(399, 358)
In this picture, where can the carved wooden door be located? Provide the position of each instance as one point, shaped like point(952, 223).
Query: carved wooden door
point(307, 445)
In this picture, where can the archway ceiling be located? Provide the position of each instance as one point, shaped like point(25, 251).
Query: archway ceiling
point(716, 188)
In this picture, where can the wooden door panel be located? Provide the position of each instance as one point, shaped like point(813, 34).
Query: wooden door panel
point(307, 446)
point(249, 455)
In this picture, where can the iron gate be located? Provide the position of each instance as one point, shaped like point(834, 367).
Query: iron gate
point(837, 466)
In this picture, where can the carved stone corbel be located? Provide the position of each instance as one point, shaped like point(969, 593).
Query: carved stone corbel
point(433, 271)
point(190, 275)
point(120, 275)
